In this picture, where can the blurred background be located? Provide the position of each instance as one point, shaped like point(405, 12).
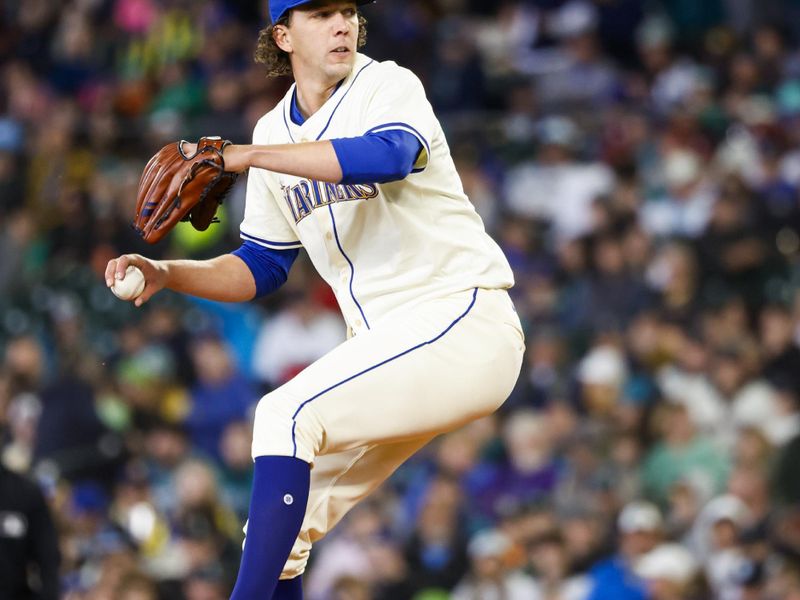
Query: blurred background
point(638, 162)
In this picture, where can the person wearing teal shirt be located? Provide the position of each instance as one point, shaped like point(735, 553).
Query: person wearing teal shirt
point(682, 453)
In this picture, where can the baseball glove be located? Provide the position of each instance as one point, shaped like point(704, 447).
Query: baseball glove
point(176, 187)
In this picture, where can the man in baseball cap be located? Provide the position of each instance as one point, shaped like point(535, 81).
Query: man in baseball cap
point(279, 8)
point(639, 526)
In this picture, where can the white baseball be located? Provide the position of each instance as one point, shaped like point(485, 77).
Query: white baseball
point(131, 286)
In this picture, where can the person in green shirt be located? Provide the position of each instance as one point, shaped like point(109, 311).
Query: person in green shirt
point(682, 453)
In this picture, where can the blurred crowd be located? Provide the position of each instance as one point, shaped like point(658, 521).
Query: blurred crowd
point(638, 163)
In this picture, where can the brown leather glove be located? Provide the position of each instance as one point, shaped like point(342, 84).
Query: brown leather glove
point(176, 187)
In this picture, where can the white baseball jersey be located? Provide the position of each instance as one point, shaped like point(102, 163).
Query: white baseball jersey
point(379, 246)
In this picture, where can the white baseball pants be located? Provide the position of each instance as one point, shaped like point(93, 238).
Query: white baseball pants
point(360, 411)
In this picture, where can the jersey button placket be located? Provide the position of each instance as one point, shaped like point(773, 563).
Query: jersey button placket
point(350, 315)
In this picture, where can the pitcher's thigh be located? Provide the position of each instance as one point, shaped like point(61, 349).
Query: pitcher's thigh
point(429, 393)
point(427, 371)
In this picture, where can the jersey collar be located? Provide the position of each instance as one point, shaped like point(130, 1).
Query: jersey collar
point(295, 113)
point(316, 125)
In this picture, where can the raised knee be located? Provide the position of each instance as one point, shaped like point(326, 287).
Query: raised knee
point(283, 427)
point(307, 434)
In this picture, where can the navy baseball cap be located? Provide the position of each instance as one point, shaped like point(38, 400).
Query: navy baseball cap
point(278, 8)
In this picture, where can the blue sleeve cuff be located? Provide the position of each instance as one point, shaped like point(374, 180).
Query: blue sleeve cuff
point(270, 268)
point(377, 157)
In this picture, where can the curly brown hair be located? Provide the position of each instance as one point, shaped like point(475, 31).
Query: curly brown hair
point(276, 60)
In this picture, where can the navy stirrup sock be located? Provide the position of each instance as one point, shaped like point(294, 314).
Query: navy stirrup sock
point(289, 589)
point(277, 507)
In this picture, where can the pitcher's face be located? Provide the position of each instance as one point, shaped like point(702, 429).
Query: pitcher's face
point(321, 38)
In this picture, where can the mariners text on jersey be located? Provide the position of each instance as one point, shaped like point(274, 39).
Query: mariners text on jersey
point(308, 195)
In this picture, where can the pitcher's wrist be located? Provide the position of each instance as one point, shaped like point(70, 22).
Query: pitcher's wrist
point(236, 157)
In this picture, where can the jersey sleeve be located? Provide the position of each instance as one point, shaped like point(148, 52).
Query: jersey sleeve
point(263, 222)
point(398, 102)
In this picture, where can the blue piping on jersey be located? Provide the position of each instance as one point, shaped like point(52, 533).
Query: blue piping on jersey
point(342, 99)
point(282, 245)
point(401, 124)
point(352, 268)
point(413, 130)
point(288, 129)
point(373, 367)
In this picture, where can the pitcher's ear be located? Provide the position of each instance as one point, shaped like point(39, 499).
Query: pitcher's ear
point(280, 33)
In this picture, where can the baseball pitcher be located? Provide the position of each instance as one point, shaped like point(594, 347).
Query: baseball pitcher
point(352, 165)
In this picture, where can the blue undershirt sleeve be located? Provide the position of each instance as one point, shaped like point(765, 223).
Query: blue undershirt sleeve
point(270, 268)
point(377, 157)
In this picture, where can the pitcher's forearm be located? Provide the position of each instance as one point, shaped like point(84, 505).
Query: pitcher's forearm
point(311, 160)
point(223, 279)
